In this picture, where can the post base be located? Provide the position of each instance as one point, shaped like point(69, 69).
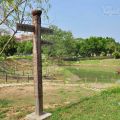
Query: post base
point(33, 116)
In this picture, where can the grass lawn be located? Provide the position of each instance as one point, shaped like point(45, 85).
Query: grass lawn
point(66, 101)
point(103, 106)
point(63, 102)
point(17, 102)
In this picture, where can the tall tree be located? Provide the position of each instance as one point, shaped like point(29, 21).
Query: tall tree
point(64, 44)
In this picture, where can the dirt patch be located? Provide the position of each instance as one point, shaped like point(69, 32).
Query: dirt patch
point(55, 95)
point(98, 86)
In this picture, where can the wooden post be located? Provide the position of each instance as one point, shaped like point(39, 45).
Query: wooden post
point(23, 73)
point(32, 72)
point(28, 78)
point(6, 78)
point(37, 62)
point(14, 71)
point(17, 78)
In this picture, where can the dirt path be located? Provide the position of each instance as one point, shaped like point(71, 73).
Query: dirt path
point(98, 86)
point(91, 86)
point(14, 84)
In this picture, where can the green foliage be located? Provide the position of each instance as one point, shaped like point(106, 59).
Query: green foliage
point(17, 11)
point(4, 103)
point(66, 47)
point(111, 91)
point(64, 44)
point(102, 54)
point(11, 48)
point(95, 46)
point(24, 48)
point(116, 55)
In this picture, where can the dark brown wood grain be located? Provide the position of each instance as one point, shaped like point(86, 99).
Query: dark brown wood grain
point(37, 64)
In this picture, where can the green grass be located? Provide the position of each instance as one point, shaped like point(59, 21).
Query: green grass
point(104, 106)
point(98, 62)
point(94, 74)
point(85, 70)
point(103, 71)
point(19, 101)
point(4, 105)
point(13, 110)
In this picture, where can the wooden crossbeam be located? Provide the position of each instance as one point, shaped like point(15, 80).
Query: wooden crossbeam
point(45, 42)
point(31, 28)
point(25, 27)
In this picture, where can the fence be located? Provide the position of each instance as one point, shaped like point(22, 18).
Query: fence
point(15, 77)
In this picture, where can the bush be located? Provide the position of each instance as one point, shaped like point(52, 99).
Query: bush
point(11, 48)
point(103, 54)
point(116, 55)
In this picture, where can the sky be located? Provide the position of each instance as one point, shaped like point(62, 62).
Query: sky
point(85, 18)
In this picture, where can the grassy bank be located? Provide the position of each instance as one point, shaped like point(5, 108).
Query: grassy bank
point(103, 71)
point(104, 106)
point(65, 100)
point(94, 75)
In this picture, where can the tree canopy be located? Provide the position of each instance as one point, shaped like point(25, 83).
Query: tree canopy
point(19, 11)
point(66, 46)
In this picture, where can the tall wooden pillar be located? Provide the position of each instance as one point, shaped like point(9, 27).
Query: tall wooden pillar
point(37, 62)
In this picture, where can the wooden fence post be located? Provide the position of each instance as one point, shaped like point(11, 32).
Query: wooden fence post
point(6, 78)
point(28, 78)
point(23, 73)
point(17, 78)
point(14, 71)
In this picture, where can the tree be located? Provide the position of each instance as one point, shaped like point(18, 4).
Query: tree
point(28, 47)
point(81, 48)
point(96, 46)
point(68, 43)
point(116, 55)
point(111, 45)
point(24, 47)
point(11, 48)
point(64, 43)
point(18, 11)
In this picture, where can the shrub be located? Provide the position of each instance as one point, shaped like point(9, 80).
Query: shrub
point(103, 54)
point(116, 55)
